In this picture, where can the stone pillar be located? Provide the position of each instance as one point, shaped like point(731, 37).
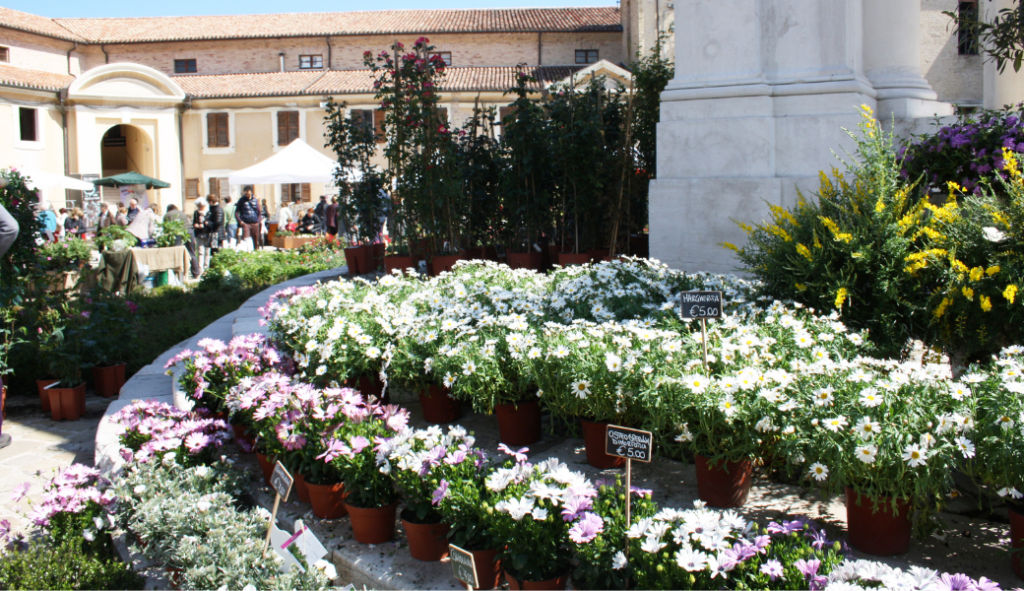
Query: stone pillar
point(892, 60)
point(1006, 88)
point(762, 91)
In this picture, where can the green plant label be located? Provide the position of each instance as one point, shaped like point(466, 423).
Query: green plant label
point(700, 304)
point(281, 481)
point(629, 443)
point(463, 565)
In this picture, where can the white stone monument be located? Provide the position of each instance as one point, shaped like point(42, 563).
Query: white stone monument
point(761, 93)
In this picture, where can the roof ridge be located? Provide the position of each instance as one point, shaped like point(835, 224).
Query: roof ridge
point(383, 10)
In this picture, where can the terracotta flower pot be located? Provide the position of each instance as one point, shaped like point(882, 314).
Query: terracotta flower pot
point(374, 525)
point(438, 406)
point(395, 262)
point(371, 385)
point(568, 258)
point(724, 488)
point(376, 258)
point(482, 253)
point(301, 488)
point(266, 466)
point(44, 397)
point(557, 583)
point(594, 437)
point(440, 264)
point(488, 568)
point(3, 404)
point(67, 404)
point(242, 437)
point(877, 532)
point(518, 424)
point(328, 500)
point(526, 260)
point(108, 379)
point(354, 258)
point(427, 541)
point(1017, 541)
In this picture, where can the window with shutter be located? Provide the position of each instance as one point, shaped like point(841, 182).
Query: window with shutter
point(217, 130)
point(294, 192)
point(223, 189)
point(214, 186)
point(378, 124)
point(505, 112)
point(362, 117)
point(5, 54)
point(287, 127)
point(191, 188)
point(306, 193)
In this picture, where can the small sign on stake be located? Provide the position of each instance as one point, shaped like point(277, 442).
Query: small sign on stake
point(281, 482)
point(702, 305)
point(631, 444)
point(463, 566)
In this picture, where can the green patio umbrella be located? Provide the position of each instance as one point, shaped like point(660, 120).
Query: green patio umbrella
point(131, 178)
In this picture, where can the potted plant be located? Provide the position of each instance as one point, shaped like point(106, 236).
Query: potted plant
point(357, 449)
point(150, 430)
point(210, 373)
point(115, 238)
point(67, 394)
point(422, 461)
point(109, 319)
point(535, 510)
point(886, 439)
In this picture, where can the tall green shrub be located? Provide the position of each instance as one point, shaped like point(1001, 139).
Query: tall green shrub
point(847, 249)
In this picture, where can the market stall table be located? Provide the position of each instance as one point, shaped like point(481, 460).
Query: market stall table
point(173, 258)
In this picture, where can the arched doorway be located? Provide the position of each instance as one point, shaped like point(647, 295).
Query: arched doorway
point(125, 148)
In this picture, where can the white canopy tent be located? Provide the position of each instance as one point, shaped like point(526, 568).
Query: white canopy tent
point(297, 163)
point(40, 179)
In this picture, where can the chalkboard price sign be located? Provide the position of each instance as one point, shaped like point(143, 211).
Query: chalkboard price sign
point(463, 566)
point(701, 304)
point(628, 443)
point(281, 481)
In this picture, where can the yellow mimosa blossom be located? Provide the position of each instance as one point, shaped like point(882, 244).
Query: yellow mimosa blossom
point(958, 266)
point(841, 297)
point(857, 255)
point(1010, 293)
point(879, 206)
point(1010, 163)
point(775, 229)
point(745, 227)
point(817, 243)
point(968, 293)
point(731, 246)
point(941, 309)
point(804, 251)
point(977, 273)
point(926, 253)
point(986, 303)
point(992, 270)
point(801, 287)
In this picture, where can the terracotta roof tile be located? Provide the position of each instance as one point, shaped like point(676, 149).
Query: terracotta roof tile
point(390, 22)
point(355, 82)
point(34, 79)
point(23, 21)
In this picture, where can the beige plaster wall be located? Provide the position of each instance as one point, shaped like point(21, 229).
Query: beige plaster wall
point(46, 155)
point(956, 78)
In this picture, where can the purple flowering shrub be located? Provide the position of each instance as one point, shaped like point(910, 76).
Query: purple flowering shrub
point(149, 429)
point(78, 504)
point(358, 451)
point(969, 153)
point(541, 508)
point(424, 462)
point(294, 421)
point(217, 367)
point(601, 561)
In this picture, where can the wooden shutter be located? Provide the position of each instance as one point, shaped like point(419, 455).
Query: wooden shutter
point(217, 130)
point(214, 186)
point(287, 127)
point(378, 124)
point(285, 194)
point(191, 188)
point(224, 189)
point(305, 193)
point(504, 112)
